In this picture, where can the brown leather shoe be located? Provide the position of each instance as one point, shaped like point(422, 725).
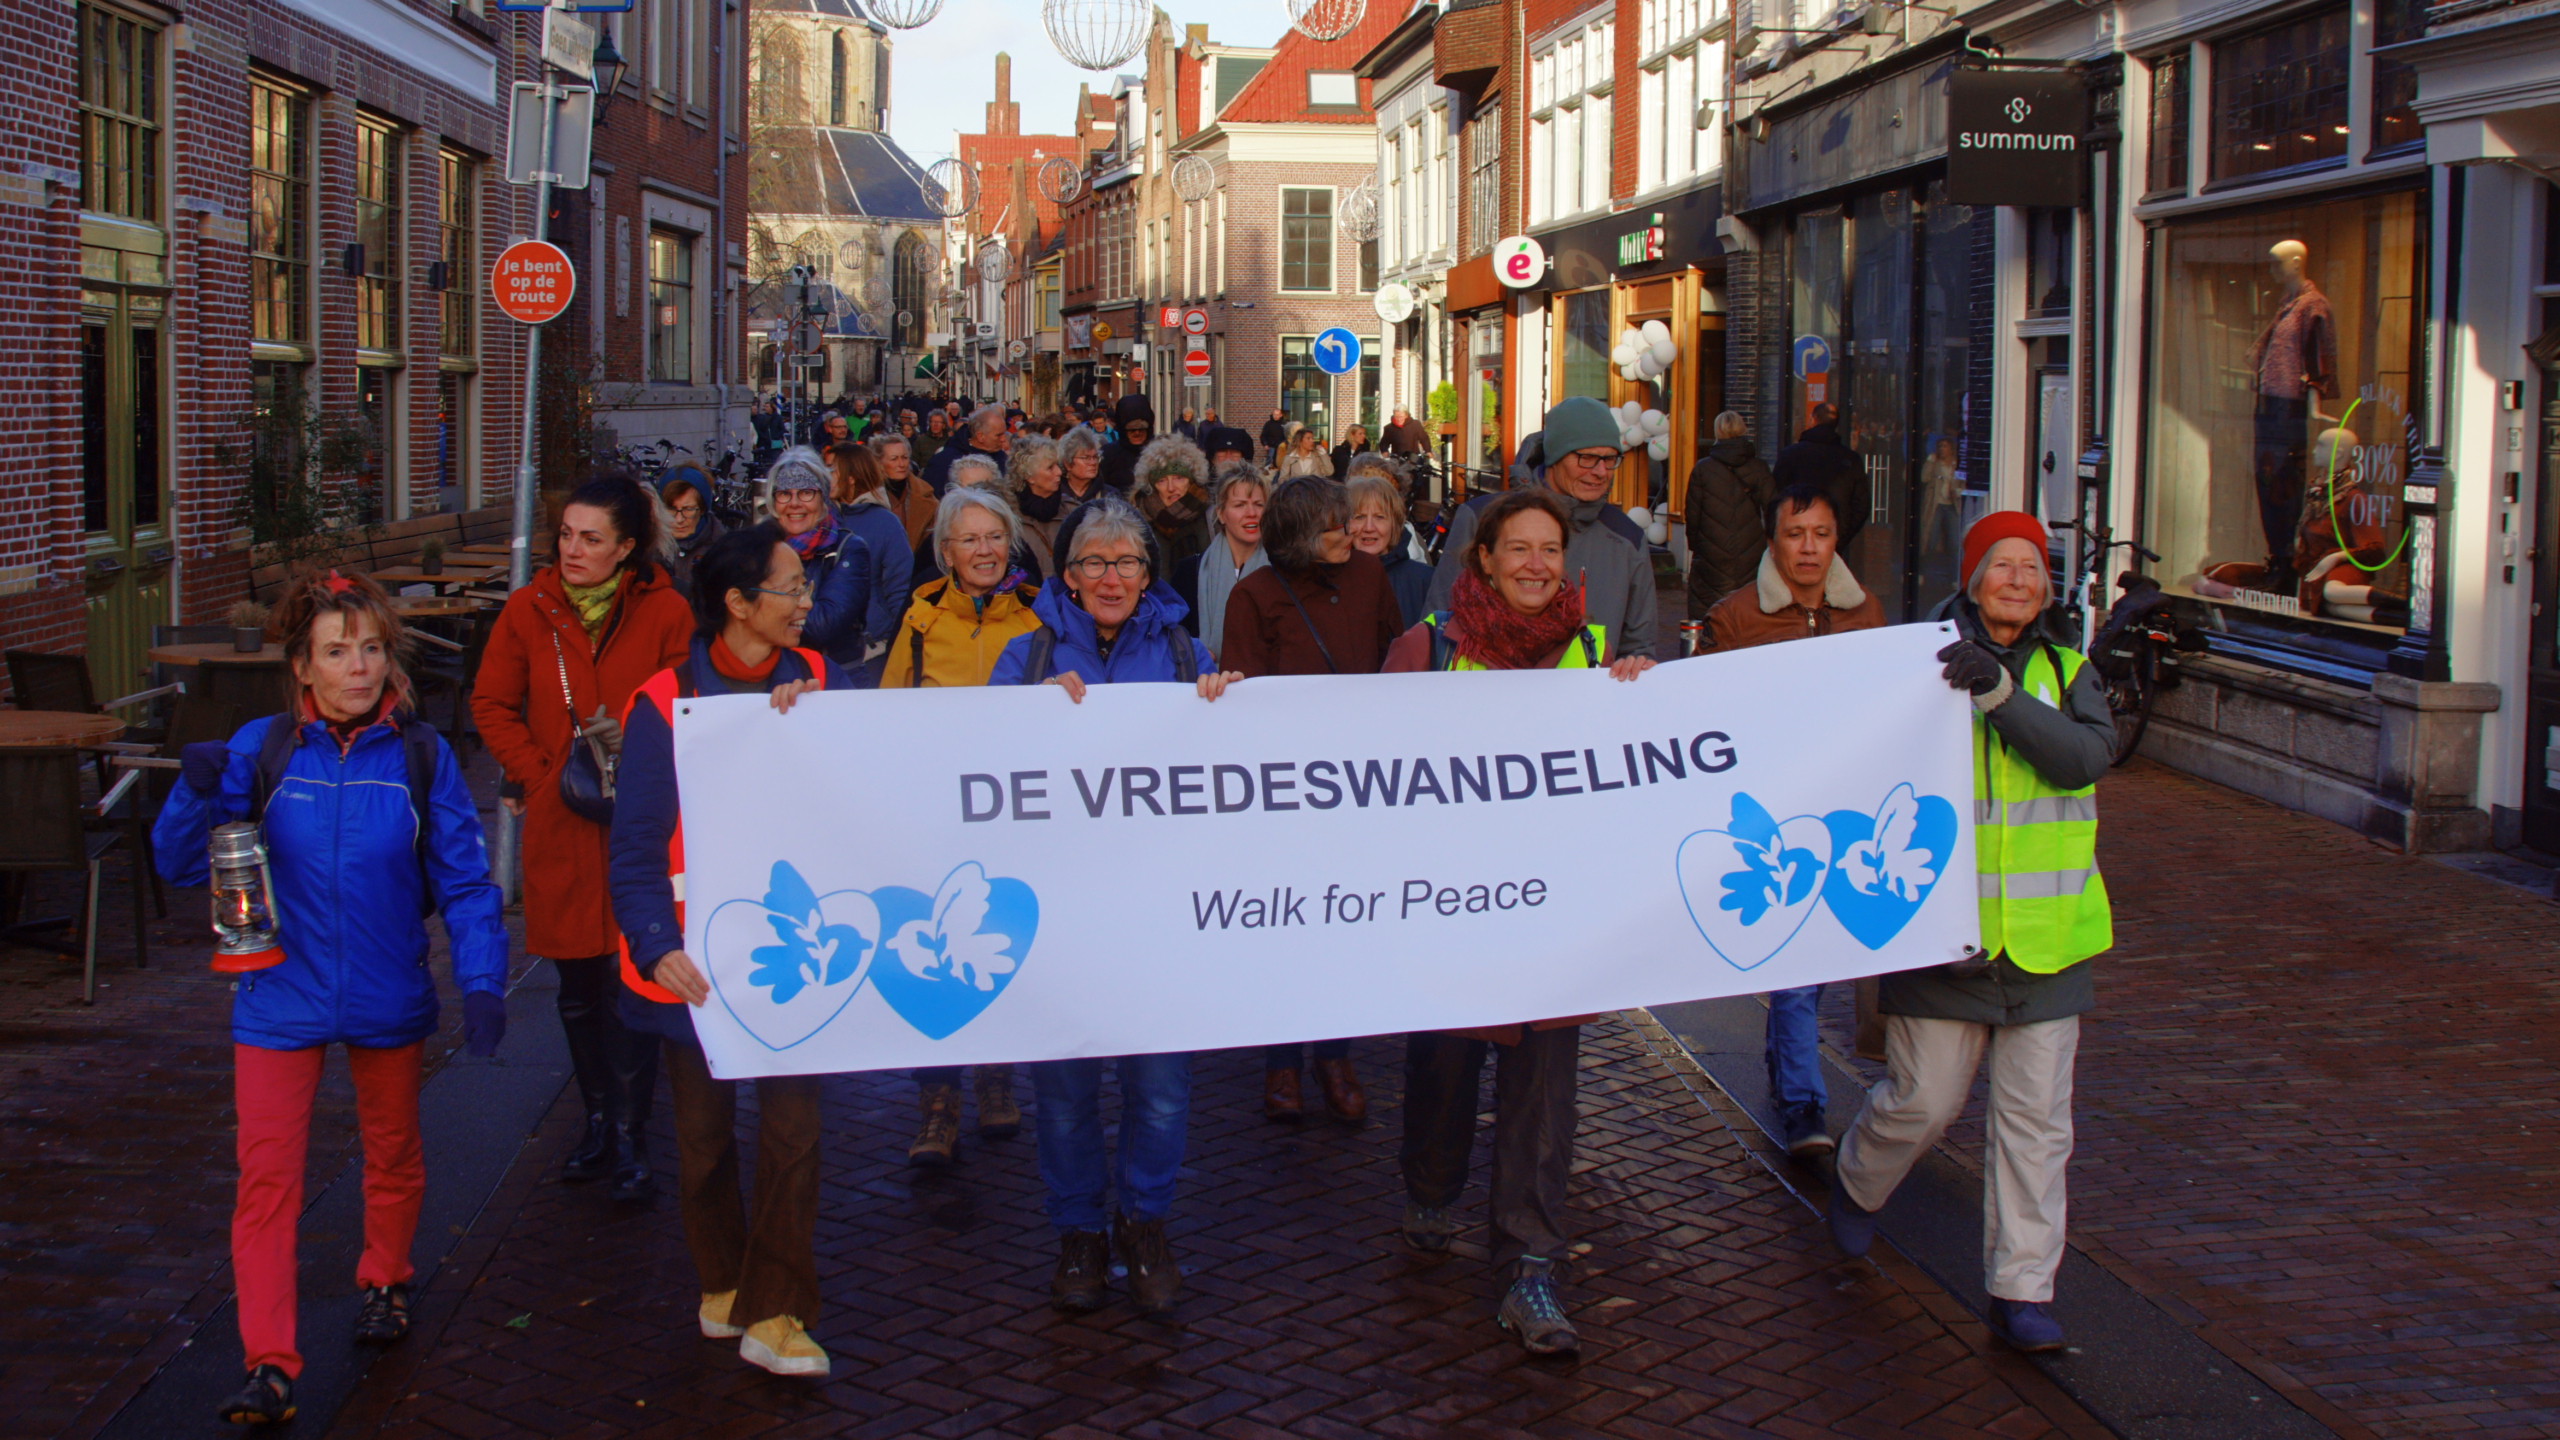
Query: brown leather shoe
point(938, 1134)
point(1342, 1094)
point(999, 1118)
point(1280, 1096)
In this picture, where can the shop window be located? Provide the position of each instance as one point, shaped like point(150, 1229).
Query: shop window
point(1479, 413)
point(670, 307)
point(1583, 342)
point(1950, 495)
point(1306, 239)
point(1369, 390)
point(2395, 82)
point(1814, 324)
point(1302, 381)
point(378, 221)
point(119, 115)
point(2278, 430)
point(2280, 97)
point(2169, 125)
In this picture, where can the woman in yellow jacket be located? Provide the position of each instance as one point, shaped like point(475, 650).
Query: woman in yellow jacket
point(955, 628)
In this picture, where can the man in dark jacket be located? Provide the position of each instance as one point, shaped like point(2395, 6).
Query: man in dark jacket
point(1274, 430)
point(1404, 434)
point(981, 434)
point(1819, 458)
point(1225, 443)
point(1134, 415)
point(1728, 490)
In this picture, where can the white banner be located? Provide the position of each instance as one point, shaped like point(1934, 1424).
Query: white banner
point(895, 878)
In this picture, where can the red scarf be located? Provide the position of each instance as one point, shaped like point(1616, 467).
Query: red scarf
point(1498, 637)
point(726, 661)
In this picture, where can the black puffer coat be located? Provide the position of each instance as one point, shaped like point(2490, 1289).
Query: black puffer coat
point(1728, 491)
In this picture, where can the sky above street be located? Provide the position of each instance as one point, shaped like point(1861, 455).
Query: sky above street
point(942, 74)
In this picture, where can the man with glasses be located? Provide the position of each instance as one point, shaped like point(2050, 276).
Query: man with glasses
point(1606, 552)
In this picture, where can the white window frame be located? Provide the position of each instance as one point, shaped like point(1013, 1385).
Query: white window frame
point(1571, 93)
point(1677, 67)
point(1333, 246)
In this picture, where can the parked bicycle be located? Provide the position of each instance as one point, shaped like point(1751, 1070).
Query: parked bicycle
point(2136, 648)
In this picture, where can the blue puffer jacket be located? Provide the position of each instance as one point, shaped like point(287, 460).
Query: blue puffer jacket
point(840, 572)
point(341, 845)
point(1143, 650)
point(893, 565)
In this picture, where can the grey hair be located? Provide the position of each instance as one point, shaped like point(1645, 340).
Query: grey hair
point(1105, 522)
point(882, 440)
point(983, 416)
point(1231, 475)
point(1030, 452)
point(802, 469)
point(1371, 462)
point(946, 513)
point(1076, 442)
point(993, 478)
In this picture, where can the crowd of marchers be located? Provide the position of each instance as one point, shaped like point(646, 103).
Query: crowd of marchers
point(1074, 555)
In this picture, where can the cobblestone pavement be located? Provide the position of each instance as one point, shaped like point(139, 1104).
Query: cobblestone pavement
point(1710, 1304)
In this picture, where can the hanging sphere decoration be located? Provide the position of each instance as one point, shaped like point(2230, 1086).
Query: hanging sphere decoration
point(852, 256)
point(1359, 216)
point(1194, 178)
point(1326, 19)
point(1061, 179)
point(994, 265)
point(955, 187)
point(1097, 34)
point(904, 14)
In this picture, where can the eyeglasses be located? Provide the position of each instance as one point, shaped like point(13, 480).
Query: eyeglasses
point(1592, 459)
point(992, 540)
point(1093, 567)
point(688, 512)
point(795, 596)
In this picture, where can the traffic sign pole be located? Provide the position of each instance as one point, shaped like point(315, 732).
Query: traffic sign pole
point(520, 527)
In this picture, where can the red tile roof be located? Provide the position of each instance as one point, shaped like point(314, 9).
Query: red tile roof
point(992, 156)
point(1278, 94)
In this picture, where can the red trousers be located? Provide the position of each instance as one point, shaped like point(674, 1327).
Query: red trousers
point(273, 1090)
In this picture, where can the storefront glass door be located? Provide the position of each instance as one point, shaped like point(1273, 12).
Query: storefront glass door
point(1876, 396)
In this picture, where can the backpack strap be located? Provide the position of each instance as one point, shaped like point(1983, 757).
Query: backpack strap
point(1590, 652)
point(915, 638)
point(1186, 661)
point(1037, 655)
point(418, 746)
point(1444, 651)
point(275, 749)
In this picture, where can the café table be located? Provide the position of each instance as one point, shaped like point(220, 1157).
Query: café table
point(78, 728)
point(249, 680)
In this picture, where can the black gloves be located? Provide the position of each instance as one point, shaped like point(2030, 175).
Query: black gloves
point(200, 765)
point(1971, 668)
point(484, 1022)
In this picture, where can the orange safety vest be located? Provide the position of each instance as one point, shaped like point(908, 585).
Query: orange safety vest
point(663, 690)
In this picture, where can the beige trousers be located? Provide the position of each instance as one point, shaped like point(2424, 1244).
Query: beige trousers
point(1929, 1072)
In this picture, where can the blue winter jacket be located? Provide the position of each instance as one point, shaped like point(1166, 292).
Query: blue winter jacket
point(893, 566)
point(645, 812)
point(341, 845)
point(1143, 650)
point(840, 597)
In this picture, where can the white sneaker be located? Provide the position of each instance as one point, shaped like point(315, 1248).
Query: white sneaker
point(715, 1316)
point(782, 1345)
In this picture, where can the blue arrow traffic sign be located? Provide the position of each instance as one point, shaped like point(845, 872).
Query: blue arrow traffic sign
point(1812, 356)
point(1337, 351)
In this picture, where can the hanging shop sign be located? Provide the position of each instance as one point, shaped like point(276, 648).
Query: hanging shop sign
point(1640, 247)
point(1678, 233)
point(1079, 332)
point(1519, 262)
point(2013, 137)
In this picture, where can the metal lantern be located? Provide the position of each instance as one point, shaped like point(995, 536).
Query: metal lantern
point(994, 265)
point(1326, 19)
point(904, 14)
point(1360, 212)
point(955, 185)
point(1061, 179)
point(1097, 34)
point(1194, 178)
point(244, 900)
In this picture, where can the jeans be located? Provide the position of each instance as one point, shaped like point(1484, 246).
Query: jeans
point(1155, 1113)
point(1286, 1057)
point(1534, 1093)
point(1793, 1051)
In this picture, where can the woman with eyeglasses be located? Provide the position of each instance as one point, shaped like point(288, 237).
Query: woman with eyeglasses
point(953, 633)
point(757, 1265)
point(690, 524)
point(1107, 619)
point(838, 562)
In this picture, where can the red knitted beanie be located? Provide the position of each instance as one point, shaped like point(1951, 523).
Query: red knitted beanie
point(1990, 530)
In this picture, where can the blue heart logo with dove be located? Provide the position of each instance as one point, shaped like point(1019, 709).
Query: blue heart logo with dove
point(1751, 885)
point(948, 955)
point(1884, 865)
point(806, 954)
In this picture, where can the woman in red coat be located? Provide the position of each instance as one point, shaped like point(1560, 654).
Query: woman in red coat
point(563, 661)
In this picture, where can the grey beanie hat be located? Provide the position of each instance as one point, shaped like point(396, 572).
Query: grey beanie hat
point(799, 468)
point(1580, 423)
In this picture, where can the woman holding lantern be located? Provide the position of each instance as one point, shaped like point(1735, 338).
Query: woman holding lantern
point(367, 829)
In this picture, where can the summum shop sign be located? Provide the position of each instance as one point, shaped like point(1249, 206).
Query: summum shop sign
point(2013, 137)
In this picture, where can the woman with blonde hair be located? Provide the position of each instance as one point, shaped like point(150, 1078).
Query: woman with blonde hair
point(1235, 549)
point(1301, 455)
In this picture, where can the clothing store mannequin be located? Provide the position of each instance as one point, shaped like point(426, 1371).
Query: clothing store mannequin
point(2295, 363)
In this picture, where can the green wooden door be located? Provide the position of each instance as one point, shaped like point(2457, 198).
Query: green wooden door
point(126, 549)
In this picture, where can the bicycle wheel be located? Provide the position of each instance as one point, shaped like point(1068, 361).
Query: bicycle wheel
point(2129, 698)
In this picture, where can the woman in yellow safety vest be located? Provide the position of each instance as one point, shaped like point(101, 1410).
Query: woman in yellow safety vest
point(2042, 736)
point(1510, 609)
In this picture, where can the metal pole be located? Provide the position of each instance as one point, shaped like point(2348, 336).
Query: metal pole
point(520, 538)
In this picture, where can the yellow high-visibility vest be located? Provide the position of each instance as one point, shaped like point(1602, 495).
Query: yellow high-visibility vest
point(2035, 847)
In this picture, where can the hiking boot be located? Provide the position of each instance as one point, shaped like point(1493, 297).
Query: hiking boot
point(1853, 1229)
point(714, 1315)
point(938, 1135)
point(266, 1400)
point(635, 1178)
point(384, 1316)
point(782, 1345)
point(1801, 1130)
point(1082, 1281)
point(1154, 1280)
point(1342, 1094)
point(1532, 1311)
point(1428, 1228)
point(1280, 1096)
point(2026, 1324)
point(998, 1117)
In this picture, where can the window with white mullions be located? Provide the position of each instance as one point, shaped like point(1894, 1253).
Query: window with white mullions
point(1570, 102)
point(1306, 239)
point(1676, 72)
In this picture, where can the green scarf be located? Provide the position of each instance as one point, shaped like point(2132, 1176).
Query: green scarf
point(594, 602)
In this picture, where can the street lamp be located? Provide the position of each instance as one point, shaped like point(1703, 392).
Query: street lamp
point(610, 67)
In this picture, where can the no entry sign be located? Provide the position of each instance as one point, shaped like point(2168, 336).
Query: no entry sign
point(532, 282)
point(1196, 363)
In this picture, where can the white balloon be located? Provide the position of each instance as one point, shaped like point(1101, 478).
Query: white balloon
point(1659, 447)
point(1655, 332)
point(1654, 419)
point(1664, 351)
point(1659, 532)
point(1640, 515)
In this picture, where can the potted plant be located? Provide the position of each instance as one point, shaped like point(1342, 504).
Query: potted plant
point(248, 627)
point(431, 557)
point(1442, 403)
